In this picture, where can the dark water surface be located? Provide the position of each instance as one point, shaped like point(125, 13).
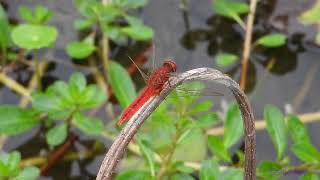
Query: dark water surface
point(194, 44)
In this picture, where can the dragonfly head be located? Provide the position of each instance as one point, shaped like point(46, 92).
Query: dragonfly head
point(170, 64)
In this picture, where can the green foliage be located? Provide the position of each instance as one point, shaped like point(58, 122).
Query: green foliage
point(106, 16)
point(62, 101)
point(40, 14)
point(148, 155)
point(9, 164)
point(312, 15)
point(306, 152)
point(309, 176)
point(39, 36)
point(297, 130)
point(233, 126)
point(88, 125)
point(232, 174)
point(216, 145)
point(230, 9)
point(209, 170)
point(225, 59)
point(272, 40)
point(121, 84)
point(28, 173)
point(15, 120)
point(269, 170)
point(4, 30)
point(9, 167)
point(57, 135)
point(277, 129)
point(134, 175)
point(80, 50)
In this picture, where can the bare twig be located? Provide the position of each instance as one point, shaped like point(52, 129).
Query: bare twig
point(59, 153)
point(118, 147)
point(42, 67)
point(14, 85)
point(261, 124)
point(247, 44)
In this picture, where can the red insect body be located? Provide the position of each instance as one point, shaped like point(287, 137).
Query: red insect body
point(153, 88)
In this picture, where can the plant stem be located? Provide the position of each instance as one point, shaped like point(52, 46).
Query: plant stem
point(167, 158)
point(247, 44)
point(37, 69)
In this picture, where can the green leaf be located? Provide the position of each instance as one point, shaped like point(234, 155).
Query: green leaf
point(15, 120)
point(92, 96)
point(159, 129)
point(205, 105)
point(209, 170)
point(46, 102)
point(132, 4)
point(297, 129)
point(37, 36)
point(80, 24)
point(183, 152)
point(309, 176)
point(206, 120)
point(57, 135)
point(77, 84)
point(272, 40)
point(180, 166)
point(233, 126)
point(230, 9)
point(89, 125)
point(121, 84)
point(115, 34)
point(225, 59)
point(181, 176)
point(138, 32)
point(80, 50)
point(217, 147)
point(9, 164)
point(26, 14)
point(306, 152)
point(269, 170)
point(312, 15)
point(28, 173)
point(276, 128)
point(232, 174)
point(134, 175)
point(4, 30)
point(42, 14)
point(148, 154)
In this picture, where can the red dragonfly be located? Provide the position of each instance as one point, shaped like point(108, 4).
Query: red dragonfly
point(154, 86)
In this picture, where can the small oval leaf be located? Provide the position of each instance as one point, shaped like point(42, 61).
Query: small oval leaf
point(80, 50)
point(276, 128)
point(225, 59)
point(15, 120)
point(57, 135)
point(233, 126)
point(272, 40)
point(121, 84)
point(30, 36)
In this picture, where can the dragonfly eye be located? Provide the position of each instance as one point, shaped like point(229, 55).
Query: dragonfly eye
point(170, 64)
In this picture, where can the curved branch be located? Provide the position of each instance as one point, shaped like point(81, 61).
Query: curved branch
point(119, 145)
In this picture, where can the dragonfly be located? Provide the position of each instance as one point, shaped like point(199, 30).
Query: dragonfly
point(154, 85)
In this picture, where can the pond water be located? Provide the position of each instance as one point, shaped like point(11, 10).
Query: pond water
point(192, 40)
